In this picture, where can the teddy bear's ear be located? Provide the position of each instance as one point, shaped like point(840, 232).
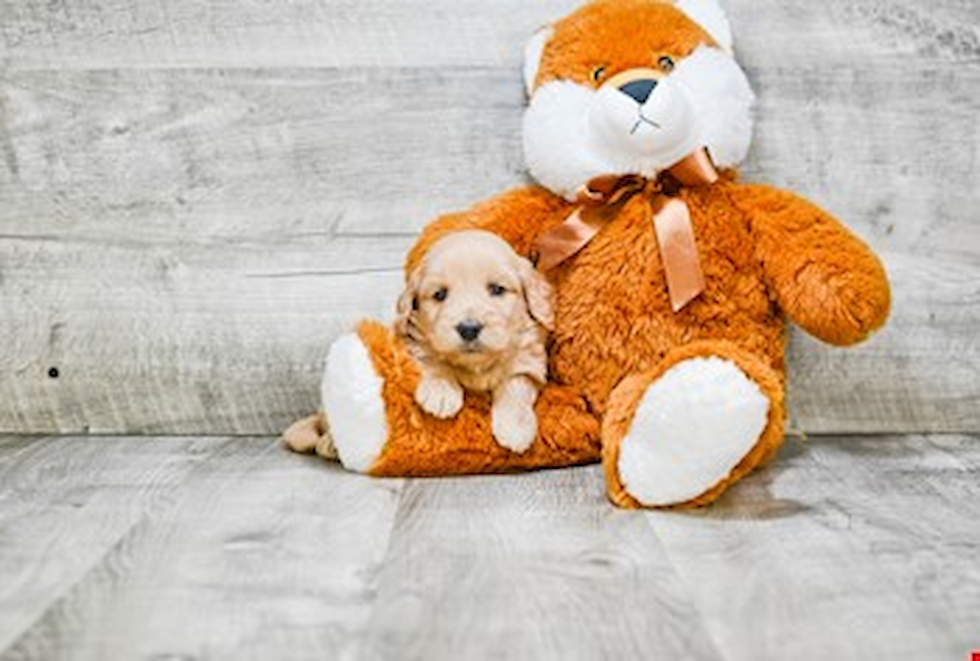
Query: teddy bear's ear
point(710, 16)
point(532, 56)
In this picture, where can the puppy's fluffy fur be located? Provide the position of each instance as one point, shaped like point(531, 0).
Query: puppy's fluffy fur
point(475, 316)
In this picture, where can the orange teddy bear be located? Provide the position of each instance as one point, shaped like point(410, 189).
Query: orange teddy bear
point(673, 279)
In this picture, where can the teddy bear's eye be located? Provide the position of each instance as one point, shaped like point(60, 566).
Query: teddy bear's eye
point(441, 295)
point(666, 63)
point(598, 73)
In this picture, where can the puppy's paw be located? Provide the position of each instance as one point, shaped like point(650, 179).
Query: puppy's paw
point(325, 446)
point(303, 436)
point(515, 425)
point(439, 397)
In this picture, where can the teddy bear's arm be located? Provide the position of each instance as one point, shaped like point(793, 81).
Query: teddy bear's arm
point(517, 216)
point(824, 277)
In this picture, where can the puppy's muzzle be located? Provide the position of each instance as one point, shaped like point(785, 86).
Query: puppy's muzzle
point(469, 330)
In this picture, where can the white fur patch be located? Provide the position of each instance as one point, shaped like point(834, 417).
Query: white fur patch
point(555, 134)
point(573, 133)
point(532, 56)
point(352, 401)
point(725, 102)
point(693, 427)
point(710, 16)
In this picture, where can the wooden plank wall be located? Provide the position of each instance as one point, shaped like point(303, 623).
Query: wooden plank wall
point(195, 198)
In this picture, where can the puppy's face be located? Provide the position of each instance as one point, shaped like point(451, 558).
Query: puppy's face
point(472, 298)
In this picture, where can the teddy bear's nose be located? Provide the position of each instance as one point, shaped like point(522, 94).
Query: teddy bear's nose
point(639, 90)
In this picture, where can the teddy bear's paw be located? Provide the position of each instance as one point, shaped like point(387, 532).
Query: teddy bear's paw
point(439, 397)
point(353, 405)
point(693, 426)
point(515, 425)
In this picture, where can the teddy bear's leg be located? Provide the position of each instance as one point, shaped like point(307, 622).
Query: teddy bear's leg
point(377, 428)
point(352, 396)
point(680, 435)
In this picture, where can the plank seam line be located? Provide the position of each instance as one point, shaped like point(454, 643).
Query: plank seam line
point(215, 436)
point(70, 589)
point(689, 592)
point(358, 638)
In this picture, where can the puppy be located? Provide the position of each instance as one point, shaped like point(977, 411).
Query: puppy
point(475, 316)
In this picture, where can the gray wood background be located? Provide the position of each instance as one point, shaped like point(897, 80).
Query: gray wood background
point(179, 549)
point(195, 198)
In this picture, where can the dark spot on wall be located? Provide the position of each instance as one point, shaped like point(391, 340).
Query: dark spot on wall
point(54, 373)
point(881, 210)
point(879, 216)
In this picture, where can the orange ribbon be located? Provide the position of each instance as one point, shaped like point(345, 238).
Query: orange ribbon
point(601, 198)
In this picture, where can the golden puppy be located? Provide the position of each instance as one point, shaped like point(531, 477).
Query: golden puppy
point(475, 315)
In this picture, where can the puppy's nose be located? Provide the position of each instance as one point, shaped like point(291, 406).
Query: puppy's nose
point(639, 90)
point(469, 330)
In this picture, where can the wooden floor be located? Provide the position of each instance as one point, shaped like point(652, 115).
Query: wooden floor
point(166, 549)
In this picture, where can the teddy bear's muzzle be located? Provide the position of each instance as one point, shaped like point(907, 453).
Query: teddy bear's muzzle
point(639, 90)
point(642, 114)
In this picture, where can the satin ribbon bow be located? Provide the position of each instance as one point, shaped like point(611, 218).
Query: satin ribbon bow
point(602, 197)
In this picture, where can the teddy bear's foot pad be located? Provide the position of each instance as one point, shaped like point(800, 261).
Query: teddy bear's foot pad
point(693, 426)
point(353, 404)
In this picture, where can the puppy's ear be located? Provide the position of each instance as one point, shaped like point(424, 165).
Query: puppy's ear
point(408, 303)
point(538, 295)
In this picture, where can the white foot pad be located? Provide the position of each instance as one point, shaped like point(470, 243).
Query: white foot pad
point(353, 404)
point(693, 427)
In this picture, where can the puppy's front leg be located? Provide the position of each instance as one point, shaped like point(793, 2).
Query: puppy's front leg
point(439, 393)
point(515, 424)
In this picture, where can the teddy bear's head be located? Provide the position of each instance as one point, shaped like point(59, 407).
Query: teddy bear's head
point(633, 87)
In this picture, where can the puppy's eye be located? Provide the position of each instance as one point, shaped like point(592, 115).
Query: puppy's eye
point(598, 73)
point(497, 290)
point(441, 295)
point(666, 63)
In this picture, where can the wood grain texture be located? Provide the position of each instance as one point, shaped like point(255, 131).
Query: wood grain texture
point(851, 548)
point(848, 548)
point(247, 330)
point(528, 567)
point(921, 372)
point(66, 504)
point(95, 34)
point(252, 552)
point(197, 199)
point(260, 156)
point(193, 338)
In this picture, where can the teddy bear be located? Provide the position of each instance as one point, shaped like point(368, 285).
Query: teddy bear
point(674, 280)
